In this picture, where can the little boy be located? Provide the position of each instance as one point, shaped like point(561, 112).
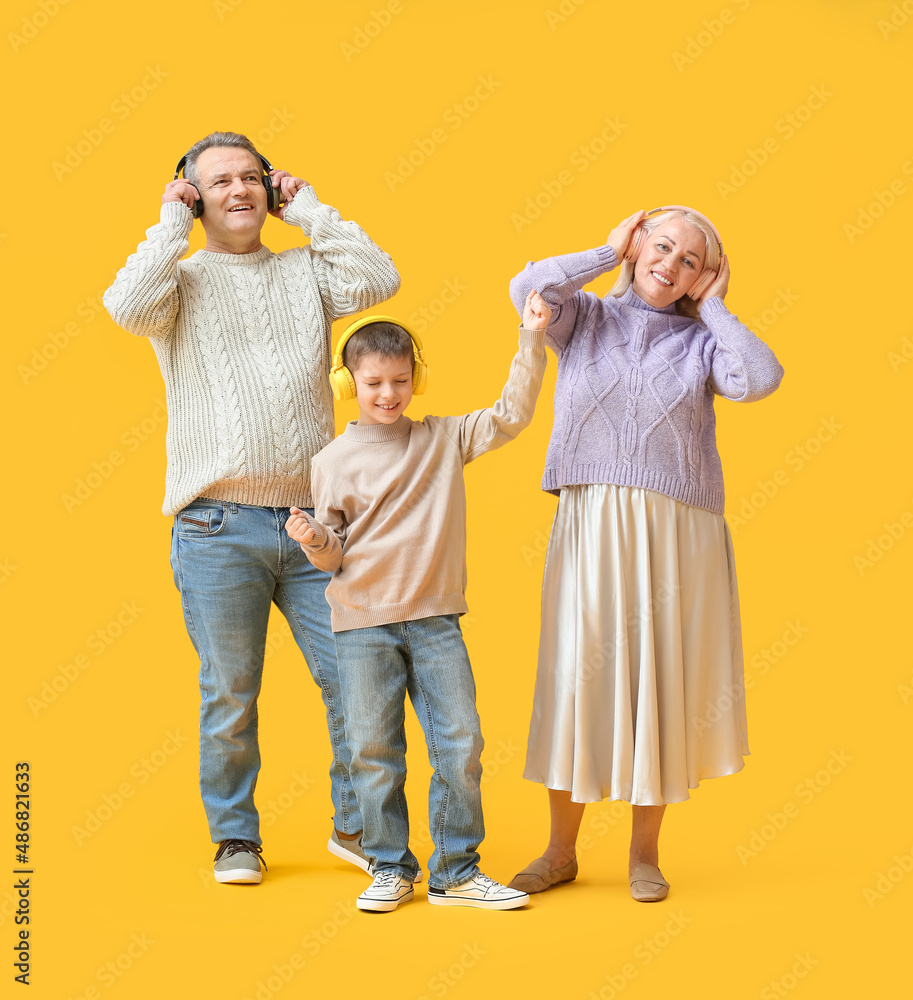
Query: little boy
point(390, 522)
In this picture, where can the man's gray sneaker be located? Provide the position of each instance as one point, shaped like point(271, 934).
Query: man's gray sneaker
point(351, 851)
point(238, 861)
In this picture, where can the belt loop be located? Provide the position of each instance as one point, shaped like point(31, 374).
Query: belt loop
point(234, 508)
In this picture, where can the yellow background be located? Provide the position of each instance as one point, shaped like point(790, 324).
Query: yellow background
point(818, 480)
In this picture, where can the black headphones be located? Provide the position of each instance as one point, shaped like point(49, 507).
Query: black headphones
point(273, 194)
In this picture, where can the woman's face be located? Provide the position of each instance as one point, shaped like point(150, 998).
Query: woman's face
point(670, 262)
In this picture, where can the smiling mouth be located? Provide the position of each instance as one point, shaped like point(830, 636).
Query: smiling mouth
point(241, 208)
point(387, 406)
point(662, 280)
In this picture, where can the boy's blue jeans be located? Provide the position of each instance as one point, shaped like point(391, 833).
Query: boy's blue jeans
point(231, 562)
point(377, 667)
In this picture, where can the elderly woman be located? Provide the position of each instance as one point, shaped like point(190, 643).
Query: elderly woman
point(639, 690)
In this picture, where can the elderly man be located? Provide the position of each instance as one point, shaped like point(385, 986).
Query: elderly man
point(242, 337)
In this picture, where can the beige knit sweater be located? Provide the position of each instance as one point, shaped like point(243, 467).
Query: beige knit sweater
point(243, 343)
point(391, 503)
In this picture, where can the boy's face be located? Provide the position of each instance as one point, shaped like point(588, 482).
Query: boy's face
point(383, 388)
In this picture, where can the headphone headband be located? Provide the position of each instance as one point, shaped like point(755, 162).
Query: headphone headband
point(366, 321)
point(264, 162)
point(273, 194)
point(341, 380)
point(692, 211)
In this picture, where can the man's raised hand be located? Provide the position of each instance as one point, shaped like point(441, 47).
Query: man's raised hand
point(289, 186)
point(180, 190)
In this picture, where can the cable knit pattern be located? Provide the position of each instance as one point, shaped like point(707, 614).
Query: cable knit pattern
point(635, 385)
point(230, 459)
point(312, 345)
point(243, 343)
point(284, 446)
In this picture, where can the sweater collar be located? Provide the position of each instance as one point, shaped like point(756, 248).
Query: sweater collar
point(374, 433)
point(232, 259)
point(631, 298)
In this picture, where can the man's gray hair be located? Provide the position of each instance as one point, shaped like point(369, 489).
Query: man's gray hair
point(232, 140)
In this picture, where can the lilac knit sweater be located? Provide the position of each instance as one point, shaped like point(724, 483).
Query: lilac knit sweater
point(634, 396)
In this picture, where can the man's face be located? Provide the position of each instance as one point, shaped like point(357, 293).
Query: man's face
point(233, 195)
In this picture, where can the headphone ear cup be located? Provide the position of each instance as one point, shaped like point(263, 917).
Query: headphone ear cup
point(636, 244)
point(419, 378)
point(342, 384)
point(273, 194)
point(197, 207)
point(704, 281)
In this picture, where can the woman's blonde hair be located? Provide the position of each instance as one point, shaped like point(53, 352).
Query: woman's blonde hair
point(683, 306)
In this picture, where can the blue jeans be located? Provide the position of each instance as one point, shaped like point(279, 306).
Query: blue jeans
point(377, 666)
point(231, 562)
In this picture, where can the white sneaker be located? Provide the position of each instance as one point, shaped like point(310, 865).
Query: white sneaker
point(386, 892)
point(480, 891)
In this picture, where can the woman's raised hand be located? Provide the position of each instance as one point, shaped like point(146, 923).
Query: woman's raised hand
point(720, 285)
point(620, 236)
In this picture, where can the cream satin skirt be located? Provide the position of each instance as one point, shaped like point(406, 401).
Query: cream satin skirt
point(640, 685)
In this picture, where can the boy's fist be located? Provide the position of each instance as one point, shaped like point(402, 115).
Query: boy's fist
point(536, 312)
point(298, 528)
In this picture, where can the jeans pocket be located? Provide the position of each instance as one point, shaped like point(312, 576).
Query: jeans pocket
point(196, 522)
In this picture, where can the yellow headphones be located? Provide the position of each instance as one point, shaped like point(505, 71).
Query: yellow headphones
point(341, 380)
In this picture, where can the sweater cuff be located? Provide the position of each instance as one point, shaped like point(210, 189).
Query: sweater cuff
point(176, 215)
point(532, 338)
point(607, 258)
point(713, 308)
point(299, 209)
point(320, 533)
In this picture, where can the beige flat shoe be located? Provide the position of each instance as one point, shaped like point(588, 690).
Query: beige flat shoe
point(539, 875)
point(647, 884)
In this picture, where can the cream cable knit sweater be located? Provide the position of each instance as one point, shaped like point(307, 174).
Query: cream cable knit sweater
point(243, 343)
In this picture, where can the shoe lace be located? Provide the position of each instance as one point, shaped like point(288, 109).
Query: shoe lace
point(229, 847)
point(386, 878)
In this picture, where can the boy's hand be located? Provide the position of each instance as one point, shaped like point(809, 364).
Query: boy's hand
point(298, 527)
point(536, 312)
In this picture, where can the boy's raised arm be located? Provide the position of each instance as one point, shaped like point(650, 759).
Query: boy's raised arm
point(487, 429)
